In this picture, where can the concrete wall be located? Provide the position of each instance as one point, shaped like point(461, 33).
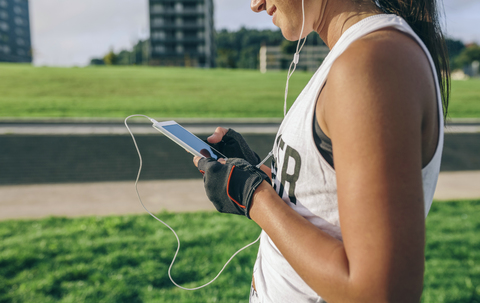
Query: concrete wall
point(30, 159)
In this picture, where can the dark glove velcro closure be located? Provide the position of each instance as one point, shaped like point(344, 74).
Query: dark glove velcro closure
point(241, 186)
point(242, 183)
point(231, 186)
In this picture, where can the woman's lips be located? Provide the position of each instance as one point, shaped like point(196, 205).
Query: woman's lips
point(271, 10)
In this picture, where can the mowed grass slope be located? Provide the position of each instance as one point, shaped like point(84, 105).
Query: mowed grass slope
point(120, 91)
point(126, 258)
point(158, 92)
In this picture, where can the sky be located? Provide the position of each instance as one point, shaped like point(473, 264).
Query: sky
point(70, 33)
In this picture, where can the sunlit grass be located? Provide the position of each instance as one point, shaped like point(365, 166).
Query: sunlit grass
point(120, 91)
point(125, 258)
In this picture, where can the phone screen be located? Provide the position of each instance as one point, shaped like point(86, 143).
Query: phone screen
point(193, 141)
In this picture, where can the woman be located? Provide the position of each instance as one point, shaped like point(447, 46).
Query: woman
point(356, 159)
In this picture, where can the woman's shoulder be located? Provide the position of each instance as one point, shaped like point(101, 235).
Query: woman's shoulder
point(383, 51)
point(383, 72)
point(384, 61)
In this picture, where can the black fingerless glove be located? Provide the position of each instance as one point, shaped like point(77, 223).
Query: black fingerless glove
point(233, 145)
point(230, 186)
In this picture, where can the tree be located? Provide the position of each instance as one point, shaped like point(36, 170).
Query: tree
point(137, 56)
point(110, 58)
point(468, 55)
point(454, 47)
point(239, 49)
point(96, 61)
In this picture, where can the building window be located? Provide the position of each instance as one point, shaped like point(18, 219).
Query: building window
point(200, 34)
point(3, 3)
point(5, 49)
point(157, 8)
point(21, 52)
point(157, 22)
point(179, 35)
point(20, 41)
point(201, 49)
point(18, 10)
point(18, 21)
point(159, 49)
point(179, 49)
point(3, 15)
point(158, 35)
point(3, 26)
point(178, 7)
point(19, 31)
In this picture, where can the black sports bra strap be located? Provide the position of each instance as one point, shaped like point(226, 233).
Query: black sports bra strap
point(323, 143)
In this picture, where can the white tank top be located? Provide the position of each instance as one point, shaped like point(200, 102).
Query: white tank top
point(297, 162)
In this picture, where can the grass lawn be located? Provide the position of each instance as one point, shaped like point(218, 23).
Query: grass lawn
point(125, 258)
point(158, 92)
point(118, 91)
point(465, 99)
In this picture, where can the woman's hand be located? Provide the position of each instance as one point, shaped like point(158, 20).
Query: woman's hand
point(232, 145)
point(217, 136)
point(230, 184)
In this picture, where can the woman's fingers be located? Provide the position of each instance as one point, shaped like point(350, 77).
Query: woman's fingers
point(217, 135)
point(197, 158)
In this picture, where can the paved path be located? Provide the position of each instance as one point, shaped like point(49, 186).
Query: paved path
point(115, 198)
point(139, 125)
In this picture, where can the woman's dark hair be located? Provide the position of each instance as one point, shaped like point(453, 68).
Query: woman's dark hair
point(423, 17)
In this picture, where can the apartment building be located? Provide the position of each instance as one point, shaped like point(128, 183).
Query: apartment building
point(181, 33)
point(15, 44)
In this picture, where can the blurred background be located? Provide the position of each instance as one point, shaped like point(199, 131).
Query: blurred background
point(71, 34)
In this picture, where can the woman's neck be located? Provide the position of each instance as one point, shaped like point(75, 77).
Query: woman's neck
point(337, 16)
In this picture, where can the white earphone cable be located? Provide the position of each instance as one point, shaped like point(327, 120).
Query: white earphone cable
point(296, 58)
point(173, 231)
point(291, 70)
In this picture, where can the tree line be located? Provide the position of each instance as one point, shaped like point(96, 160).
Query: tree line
point(240, 49)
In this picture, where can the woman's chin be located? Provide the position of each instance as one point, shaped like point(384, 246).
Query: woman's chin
point(289, 35)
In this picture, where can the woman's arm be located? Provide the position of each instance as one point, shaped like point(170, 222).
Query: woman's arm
point(374, 106)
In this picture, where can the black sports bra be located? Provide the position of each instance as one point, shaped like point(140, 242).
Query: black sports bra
point(323, 143)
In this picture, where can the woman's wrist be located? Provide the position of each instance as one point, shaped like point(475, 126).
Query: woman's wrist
point(261, 197)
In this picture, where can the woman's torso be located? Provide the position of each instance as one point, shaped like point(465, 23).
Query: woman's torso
point(307, 182)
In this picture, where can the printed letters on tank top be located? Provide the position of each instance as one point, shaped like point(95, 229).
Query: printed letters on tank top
point(290, 170)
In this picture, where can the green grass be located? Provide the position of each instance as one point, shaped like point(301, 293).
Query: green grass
point(465, 99)
point(452, 272)
point(158, 92)
point(125, 258)
point(28, 91)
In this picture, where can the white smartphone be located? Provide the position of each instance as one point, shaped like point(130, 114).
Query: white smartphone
point(187, 140)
